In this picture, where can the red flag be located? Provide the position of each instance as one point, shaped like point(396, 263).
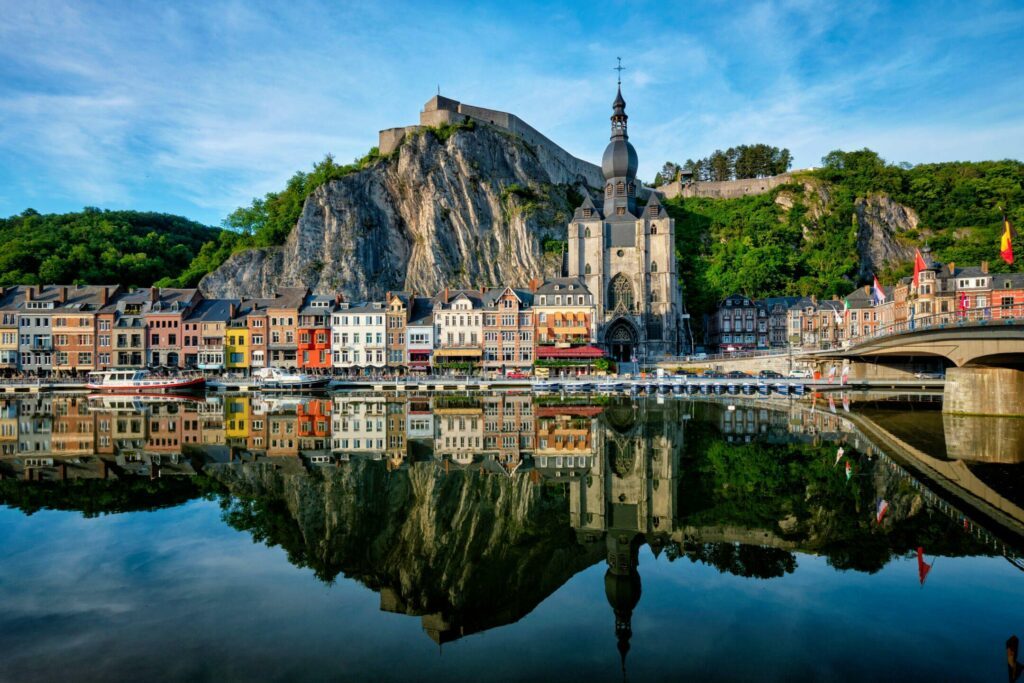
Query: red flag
point(922, 567)
point(919, 265)
point(964, 303)
point(1006, 243)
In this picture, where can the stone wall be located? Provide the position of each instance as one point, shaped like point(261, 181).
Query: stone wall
point(725, 189)
point(440, 110)
point(984, 391)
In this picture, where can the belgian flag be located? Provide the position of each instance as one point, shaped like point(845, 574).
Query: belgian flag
point(1006, 243)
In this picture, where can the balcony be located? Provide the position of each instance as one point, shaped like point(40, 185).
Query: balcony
point(39, 345)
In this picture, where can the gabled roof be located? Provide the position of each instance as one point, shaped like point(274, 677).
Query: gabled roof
point(588, 203)
point(561, 285)
point(491, 296)
point(422, 312)
point(212, 310)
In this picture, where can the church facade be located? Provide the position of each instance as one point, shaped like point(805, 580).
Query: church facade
point(625, 253)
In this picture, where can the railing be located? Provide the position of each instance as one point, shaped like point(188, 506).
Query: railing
point(972, 317)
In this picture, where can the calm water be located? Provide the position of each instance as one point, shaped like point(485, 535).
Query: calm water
point(502, 537)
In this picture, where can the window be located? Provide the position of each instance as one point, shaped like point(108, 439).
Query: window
point(586, 233)
point(654, 267)
point(587, 269)
point(620, 188)
point(620, 211)
point(654, 228)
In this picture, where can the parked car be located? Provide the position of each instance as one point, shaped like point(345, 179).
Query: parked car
point(769, 374)
point(737, 374)
point(930, 375)
point(517, 375)
point(685, 373)
point(712, 374)
point(800, 374)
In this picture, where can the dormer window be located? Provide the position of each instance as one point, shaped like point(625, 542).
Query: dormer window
point(620, 211)
point(620, 189)
point(588, 212)
point(608, 190)
point(632, 189)
point(652, 211)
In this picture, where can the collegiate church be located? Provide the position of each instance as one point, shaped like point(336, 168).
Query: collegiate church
point(626, 255)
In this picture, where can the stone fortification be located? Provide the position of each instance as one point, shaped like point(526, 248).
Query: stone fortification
point(725, 189)
point(561, 166)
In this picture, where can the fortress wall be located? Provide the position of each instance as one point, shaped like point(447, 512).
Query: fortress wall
point(561, 166)
point(725, 189)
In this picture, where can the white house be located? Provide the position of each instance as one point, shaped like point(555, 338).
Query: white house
point(357, 336)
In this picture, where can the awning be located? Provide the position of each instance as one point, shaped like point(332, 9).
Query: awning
point(458, 353)
point(571, 352)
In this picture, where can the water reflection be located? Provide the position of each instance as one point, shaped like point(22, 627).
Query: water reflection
point(467, 511)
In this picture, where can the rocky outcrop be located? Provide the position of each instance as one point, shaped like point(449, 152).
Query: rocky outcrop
point(469, 210)
point(880, 220)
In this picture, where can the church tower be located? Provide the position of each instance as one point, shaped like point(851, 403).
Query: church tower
point(625, 252)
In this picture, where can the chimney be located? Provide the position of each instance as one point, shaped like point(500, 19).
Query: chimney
point(232, 309)
point(63, 296)
point(984, 267)
point(867, 289)
point(814, 300)
point(103, 296)
point(445, 299)
point(154, 294)
point(30, 293)
point(337, 298)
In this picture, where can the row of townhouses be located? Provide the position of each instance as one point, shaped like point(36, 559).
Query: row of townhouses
point(61, 329)
point(945, 294)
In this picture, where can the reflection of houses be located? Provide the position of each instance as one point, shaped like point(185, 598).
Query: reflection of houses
point(359, 426)
point(565, 440)
point(460, 428)
point(35, 424)
point(508, 428)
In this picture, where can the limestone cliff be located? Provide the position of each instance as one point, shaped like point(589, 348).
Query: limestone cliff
point(469, 206)
point(880, 220)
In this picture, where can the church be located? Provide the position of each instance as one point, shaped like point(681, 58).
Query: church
point(626, 255)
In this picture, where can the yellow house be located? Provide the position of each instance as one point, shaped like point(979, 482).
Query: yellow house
point(236, 348)
point(237, 416)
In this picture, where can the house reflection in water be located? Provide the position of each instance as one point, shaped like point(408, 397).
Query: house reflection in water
point(448, 492)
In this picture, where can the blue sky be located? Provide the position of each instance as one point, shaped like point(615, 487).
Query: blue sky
point(197, 108)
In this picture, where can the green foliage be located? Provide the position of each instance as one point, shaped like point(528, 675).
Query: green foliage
point(516, 198)
point(95, 497)
point(94, 246)
point(743, 161)
point(755, 246)
point(445, 131)
point(554, 246)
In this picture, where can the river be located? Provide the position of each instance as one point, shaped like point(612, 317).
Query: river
point(507, 537)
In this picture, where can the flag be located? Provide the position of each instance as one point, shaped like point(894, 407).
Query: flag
point(877, 293)
point(849, 470)
point(922, 567)
point(845, 376)
point(1006, 244)
point(846, 402)
point(883, 507)
point(839, 456)
point(964, 301)
point(919, 265)
point(831, 374)
point(846, 306)
point(831, 404)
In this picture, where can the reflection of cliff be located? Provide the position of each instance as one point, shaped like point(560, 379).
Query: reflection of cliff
point(466, 550)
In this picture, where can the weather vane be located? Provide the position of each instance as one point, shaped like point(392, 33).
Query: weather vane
point(619, 68)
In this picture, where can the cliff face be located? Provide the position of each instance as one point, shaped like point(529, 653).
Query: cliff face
point(880, 220)
point(470, 210)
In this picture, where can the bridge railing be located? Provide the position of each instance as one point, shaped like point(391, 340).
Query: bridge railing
point(972, 317)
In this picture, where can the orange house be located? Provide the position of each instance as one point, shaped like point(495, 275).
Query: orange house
point(314, 333)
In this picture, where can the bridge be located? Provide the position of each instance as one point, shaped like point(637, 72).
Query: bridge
point(980, 352)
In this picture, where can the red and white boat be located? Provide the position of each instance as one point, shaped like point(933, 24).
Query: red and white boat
point(141, 382)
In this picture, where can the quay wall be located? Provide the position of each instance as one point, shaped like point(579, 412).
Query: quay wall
point(984, 391)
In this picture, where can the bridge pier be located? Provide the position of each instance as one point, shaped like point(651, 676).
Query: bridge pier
point(984, 391)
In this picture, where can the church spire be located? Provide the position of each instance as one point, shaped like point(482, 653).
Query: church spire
point(619, 108)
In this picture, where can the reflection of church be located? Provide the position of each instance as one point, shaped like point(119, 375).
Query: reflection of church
point(629, 496)
point(626, 255)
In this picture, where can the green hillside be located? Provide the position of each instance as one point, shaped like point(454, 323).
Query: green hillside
point(755, 246)
point(94, 246)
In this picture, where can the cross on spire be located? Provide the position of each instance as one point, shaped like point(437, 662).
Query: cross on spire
point(619, 68)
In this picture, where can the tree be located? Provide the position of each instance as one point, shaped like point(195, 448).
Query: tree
point(669, 173)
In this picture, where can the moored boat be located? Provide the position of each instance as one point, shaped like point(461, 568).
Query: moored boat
point(141, 382)
point(276, 379)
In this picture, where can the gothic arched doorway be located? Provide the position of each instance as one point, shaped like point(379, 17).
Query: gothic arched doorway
point(622, 340)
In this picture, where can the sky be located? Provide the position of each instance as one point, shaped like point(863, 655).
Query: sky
point(196, 108)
